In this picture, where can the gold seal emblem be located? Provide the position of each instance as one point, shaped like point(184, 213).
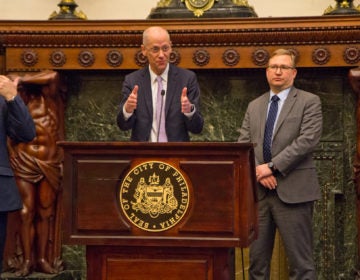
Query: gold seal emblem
point(154, 196)
point(198, 7)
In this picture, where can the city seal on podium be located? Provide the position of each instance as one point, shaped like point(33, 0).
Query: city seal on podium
point(154, 196)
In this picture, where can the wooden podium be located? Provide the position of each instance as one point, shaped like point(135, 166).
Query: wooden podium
point(168, 211)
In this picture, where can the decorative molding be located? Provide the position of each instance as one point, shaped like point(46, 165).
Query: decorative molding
point(57, 58)
point(201, 57)
point(351, 55)
point(29, 58)
point(140, 59)
point(57, 45)
point(231, 57)
point(114, 58)
point(175, 57)
point(213, 33)
point(200, 38)
point(321, 56)
point(260, 57)
point(86, 58)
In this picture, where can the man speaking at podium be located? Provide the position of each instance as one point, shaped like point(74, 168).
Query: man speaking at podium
point(161, 101)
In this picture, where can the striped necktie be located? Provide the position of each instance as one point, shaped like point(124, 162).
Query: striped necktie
point(269, 127)
point(160, 112)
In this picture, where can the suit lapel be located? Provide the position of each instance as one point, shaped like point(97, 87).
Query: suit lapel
point(171, 87)
point(146, 85)
point(286, 109)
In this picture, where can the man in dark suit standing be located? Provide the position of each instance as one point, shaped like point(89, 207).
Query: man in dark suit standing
point(161, 101)
point(16, 123)
point(286, 125)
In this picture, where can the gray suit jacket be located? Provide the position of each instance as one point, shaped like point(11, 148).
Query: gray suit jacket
point(297, 132)
point(177, 124)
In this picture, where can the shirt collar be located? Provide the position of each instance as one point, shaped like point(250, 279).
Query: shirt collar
point(282, 94)
point(164, 74)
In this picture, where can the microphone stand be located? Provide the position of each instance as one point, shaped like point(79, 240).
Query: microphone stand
point(161, 111)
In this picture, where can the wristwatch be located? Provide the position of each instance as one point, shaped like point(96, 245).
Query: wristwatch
point(272, 167)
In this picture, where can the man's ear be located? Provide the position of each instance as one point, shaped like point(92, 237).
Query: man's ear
point(143, 50)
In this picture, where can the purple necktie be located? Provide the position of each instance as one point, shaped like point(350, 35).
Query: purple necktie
point(160, 112)
point(269, 127)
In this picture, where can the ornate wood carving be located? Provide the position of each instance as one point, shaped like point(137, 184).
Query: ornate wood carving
point(140, 59)
point(40, 45)
point(231, 57)
point(29, 58)
point(34, 240)
point(321, 56)
point(175, 57)
point(57, 58)
point(114, 58)
point(351, 55)
point(86, 58)
point(201, 57)
point(260, 57)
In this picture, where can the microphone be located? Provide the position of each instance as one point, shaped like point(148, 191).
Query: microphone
point(161, 111)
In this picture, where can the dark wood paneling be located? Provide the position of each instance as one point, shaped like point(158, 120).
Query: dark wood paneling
point(222, 211)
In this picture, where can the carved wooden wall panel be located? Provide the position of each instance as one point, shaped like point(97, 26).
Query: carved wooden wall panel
point(201, 44)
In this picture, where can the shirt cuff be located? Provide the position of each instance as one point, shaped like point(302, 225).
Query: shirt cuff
point(126, 114)
point(192, 112)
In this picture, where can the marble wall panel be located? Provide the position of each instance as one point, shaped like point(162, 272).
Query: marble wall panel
point(93, 106)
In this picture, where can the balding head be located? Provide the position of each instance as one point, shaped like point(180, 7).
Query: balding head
point(155, 32)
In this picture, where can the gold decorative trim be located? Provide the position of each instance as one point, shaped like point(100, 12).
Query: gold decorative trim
point(243, 3)
point(163, 3)
point(342, 7)
point(67, 11)
point(198, 7)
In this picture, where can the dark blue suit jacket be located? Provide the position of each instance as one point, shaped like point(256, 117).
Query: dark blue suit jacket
point(178, 125)
point(16, 123)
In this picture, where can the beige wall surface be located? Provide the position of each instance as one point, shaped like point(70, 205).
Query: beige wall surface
point(140, 9)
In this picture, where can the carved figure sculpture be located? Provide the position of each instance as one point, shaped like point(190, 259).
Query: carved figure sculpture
point(38, 169)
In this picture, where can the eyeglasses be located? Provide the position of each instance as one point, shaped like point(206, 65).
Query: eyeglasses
point(156, 49)
point(281, 67)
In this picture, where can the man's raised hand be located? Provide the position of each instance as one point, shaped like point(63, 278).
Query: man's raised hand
point(131, 102)
point(185, 103)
